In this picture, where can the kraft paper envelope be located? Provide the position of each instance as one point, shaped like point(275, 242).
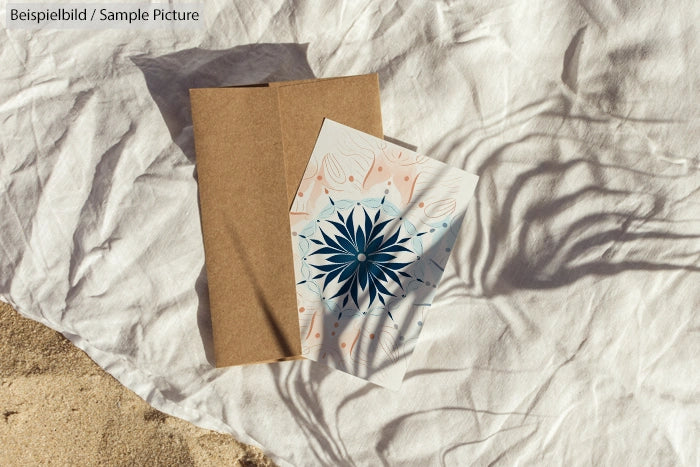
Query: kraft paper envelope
point(252, 146)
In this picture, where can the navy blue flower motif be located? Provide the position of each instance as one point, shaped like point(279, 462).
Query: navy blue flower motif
point(362, 257)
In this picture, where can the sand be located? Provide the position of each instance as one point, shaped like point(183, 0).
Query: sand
point(58, 407)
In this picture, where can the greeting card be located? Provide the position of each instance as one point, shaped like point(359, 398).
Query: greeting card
point(373, 225)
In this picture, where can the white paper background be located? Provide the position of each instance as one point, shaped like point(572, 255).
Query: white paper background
point(565, 330)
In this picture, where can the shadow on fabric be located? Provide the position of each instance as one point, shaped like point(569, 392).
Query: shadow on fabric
point(170, 77)
point(567, 215)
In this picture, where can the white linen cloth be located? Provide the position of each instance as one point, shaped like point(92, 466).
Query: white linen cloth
point(565, 330)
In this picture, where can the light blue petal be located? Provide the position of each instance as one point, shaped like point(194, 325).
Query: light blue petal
point(303, 246)
point(312, 286)
point(418, 246)
point(440, 224)
point(410, 228)
point(309, 230)
point(327, 212)
point(418, 270)
point(414, 285)
point(390, 209)
point(373, 203)
point(332, 306)
point(344, 203)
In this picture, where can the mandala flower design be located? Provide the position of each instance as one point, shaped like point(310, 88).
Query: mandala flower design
point(362, 257)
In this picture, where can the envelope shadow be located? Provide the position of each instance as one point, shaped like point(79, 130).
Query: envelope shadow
point(169, 79)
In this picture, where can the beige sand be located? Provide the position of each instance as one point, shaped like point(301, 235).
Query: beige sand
point(58, 407)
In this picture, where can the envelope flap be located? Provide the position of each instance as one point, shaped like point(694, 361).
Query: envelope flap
point(352, 100)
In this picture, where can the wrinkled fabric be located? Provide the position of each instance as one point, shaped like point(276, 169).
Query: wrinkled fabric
point(565, 330)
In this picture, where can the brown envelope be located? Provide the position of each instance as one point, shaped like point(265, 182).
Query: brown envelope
point(252, 145)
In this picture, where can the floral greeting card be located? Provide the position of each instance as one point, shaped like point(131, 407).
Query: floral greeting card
point(373, 225)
